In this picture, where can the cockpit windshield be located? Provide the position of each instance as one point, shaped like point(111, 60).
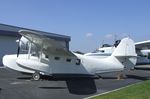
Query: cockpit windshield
point(26, 47)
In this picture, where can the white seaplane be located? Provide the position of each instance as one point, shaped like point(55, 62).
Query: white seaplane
point(47, 56)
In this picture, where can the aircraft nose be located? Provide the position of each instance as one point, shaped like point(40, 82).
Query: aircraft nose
point(4, 60)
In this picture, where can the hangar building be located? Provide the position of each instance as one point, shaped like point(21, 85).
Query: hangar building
point(9, 34)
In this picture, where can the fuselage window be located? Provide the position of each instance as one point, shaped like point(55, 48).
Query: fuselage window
point(46, 56)
point(78, 61)
point(68, 60)
point(57, 58)
point(102, 51)
point(148, 55)
point(33, 54)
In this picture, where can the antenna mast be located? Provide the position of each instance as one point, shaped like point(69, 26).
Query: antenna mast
point(115, 37)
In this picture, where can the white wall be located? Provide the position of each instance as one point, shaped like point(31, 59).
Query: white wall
point(8, 45)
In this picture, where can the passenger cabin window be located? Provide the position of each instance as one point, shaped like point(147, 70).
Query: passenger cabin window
point(148, 55)
point(102, 51)
point(68, 60)
point(33, 54)
point(57, 58)
point(78, 62)
point(46, 56)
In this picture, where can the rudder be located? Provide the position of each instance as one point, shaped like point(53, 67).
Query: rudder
point(125, 53)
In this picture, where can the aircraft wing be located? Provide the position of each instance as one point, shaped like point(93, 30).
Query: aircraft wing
point(46, 44)
point(143, 45)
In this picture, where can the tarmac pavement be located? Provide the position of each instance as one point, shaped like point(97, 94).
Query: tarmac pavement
point(14, 85)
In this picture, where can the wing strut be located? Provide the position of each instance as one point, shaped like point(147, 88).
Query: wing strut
point(41, 51)
point(29, 51)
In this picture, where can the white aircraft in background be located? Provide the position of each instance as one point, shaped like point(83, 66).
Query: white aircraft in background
point(47, 56)
point(142, 50)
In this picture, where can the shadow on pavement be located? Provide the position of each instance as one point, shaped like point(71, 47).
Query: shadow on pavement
point(52, 87)
point(78, 86)
point(25, 78)
point(75, 85)
point(109, 77)
point(138, 77)
point(81, 86)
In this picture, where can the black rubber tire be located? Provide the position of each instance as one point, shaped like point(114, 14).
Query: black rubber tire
point(36, 76)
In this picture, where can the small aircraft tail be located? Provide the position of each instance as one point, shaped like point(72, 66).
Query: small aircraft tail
point(125, 53)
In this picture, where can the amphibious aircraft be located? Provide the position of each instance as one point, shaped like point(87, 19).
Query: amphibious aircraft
point(47, 56)
point(142, 50)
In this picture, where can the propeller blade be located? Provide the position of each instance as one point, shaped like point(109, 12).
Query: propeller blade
point(18, 50)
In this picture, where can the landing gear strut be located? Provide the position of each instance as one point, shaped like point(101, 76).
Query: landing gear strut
point(120, 75)
point(36, 76)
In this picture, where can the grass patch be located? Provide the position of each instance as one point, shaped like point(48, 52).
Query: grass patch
point(136, 91)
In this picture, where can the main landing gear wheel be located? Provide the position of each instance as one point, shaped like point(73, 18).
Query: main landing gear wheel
point(36, 76)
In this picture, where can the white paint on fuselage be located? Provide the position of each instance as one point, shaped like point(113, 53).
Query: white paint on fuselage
point(88, 65)
point(103, 52)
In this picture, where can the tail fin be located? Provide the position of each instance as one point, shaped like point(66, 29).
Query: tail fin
point(125, 48)
point(125, 53)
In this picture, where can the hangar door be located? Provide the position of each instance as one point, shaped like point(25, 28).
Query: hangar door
point(8, 45)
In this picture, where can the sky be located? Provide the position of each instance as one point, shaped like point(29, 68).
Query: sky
point(89, 23)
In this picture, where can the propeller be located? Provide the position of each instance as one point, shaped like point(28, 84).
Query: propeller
point(18, 50)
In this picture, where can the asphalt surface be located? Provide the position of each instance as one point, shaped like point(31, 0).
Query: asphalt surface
point(14, 85)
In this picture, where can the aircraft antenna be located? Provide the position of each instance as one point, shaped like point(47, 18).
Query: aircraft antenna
point(102, 43)
point(115, 37)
